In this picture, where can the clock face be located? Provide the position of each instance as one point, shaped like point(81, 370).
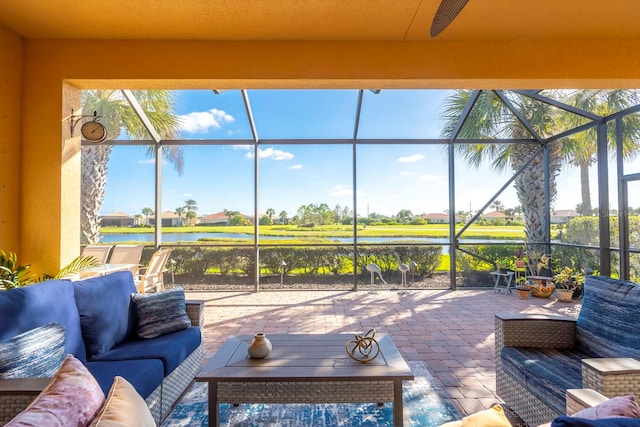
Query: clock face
point(93, 131)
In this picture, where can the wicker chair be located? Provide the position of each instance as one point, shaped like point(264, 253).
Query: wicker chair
point(611, 367)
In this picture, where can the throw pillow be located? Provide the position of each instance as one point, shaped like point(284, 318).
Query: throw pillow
point(72, 398)
point(161, 312)
point(37, 353)
point(621, 406)
point(124, 407)
point(492, 417)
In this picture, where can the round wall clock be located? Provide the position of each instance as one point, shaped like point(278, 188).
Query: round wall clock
point(93, 131)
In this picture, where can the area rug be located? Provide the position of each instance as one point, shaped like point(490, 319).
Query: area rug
point(425, 404)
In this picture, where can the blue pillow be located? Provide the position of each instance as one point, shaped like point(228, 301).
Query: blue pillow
point(566, 421)
point(36, 353)
point(161, 312)
point(29, 307)
point(104, 304)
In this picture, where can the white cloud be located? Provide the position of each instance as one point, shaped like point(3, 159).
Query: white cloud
point(428, 178)
point(202, 121)
point(298, 166)
point(270, 153)
point(411, 159)
point(187, 195)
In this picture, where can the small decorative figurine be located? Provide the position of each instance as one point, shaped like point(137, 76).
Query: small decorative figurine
point(365, 348)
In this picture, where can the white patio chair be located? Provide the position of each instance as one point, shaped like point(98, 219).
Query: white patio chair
point(127, 254)
point(99, 252)
point(151, 278)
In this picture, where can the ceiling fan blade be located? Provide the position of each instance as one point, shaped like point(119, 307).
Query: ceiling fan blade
point(446, 13)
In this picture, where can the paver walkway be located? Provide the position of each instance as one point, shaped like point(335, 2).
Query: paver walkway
point(451, 331)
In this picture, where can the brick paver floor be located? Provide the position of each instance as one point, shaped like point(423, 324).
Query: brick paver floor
point(451, 331)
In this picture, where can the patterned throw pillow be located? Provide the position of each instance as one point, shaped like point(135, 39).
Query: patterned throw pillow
point(123, 408)
point(38, 352)
point(72, 398)
point(161, 312)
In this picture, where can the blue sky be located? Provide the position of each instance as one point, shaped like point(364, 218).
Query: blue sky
point(389, 177)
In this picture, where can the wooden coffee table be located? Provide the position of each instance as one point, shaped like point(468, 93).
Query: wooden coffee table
point(304, 369)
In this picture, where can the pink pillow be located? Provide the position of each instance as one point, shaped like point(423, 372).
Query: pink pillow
point(72, 398)
point(621, 406)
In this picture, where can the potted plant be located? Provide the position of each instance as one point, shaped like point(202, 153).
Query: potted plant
point(13, 275)
point(566, 281)
point(522, 287)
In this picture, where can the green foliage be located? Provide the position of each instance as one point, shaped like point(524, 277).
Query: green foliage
point(13, 275)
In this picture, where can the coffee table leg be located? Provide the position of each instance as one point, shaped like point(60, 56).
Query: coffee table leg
point(214, 408)
point(398, 406)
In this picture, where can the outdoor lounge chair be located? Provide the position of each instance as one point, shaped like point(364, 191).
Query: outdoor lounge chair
point(127, 254)
point(99, 252)
point(151, 278)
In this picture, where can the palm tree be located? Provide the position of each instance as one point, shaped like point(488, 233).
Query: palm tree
point(180, 211)
point(497, 205)
point(147, 212)
point(491, 118)
point(118, 116)
point(580, 149)
point(191, 206)
point(283, 217)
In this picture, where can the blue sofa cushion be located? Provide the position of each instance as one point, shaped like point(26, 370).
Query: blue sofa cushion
point(565, 421)
point(171, 348)
point(145, 375)
point(609, 311)
point(546, 373)
point(160, 313)
point(37, 353)
point(29, 307)
point(104, 305)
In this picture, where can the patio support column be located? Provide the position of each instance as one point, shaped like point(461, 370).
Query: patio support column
point(603, 201)
point(623, 205)
point(453, 239)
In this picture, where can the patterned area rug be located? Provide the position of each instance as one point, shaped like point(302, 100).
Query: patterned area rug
point(425, 404)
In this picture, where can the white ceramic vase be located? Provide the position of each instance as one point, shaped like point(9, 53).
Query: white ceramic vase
point(260, 346)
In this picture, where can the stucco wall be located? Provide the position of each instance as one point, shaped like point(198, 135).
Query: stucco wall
point(10, 106)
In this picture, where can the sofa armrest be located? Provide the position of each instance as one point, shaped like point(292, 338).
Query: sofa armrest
point(195, 311)
point(534, 330)
point(583, 398)
point(17, 394)
point(612, 377)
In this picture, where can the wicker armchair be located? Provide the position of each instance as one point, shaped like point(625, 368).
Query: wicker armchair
point(562, 341)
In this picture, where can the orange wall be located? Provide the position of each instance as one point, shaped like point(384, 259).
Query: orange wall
point(48, 222)
point(10, 88)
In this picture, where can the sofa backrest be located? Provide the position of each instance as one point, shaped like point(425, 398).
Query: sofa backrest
point(26, 308)
point(106, 313)
point(608, 323)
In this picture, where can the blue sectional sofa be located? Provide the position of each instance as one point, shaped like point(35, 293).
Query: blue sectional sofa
point(100, 321)
point(539, 358)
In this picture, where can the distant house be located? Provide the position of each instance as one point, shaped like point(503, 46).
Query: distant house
point(561, 216)
point(169, 219)
point(118, 219)
point(438, 218)
point(219, 218)
point(495, 215)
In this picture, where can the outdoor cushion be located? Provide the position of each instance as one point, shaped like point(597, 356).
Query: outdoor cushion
point(608, 313)
point(37, 353)
point(123, 408)
point(72, 398)
point(171, 348)
point(104, 304)
point(145, 375)
point(546, 373)
point(160, 313)
point(26, 308)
